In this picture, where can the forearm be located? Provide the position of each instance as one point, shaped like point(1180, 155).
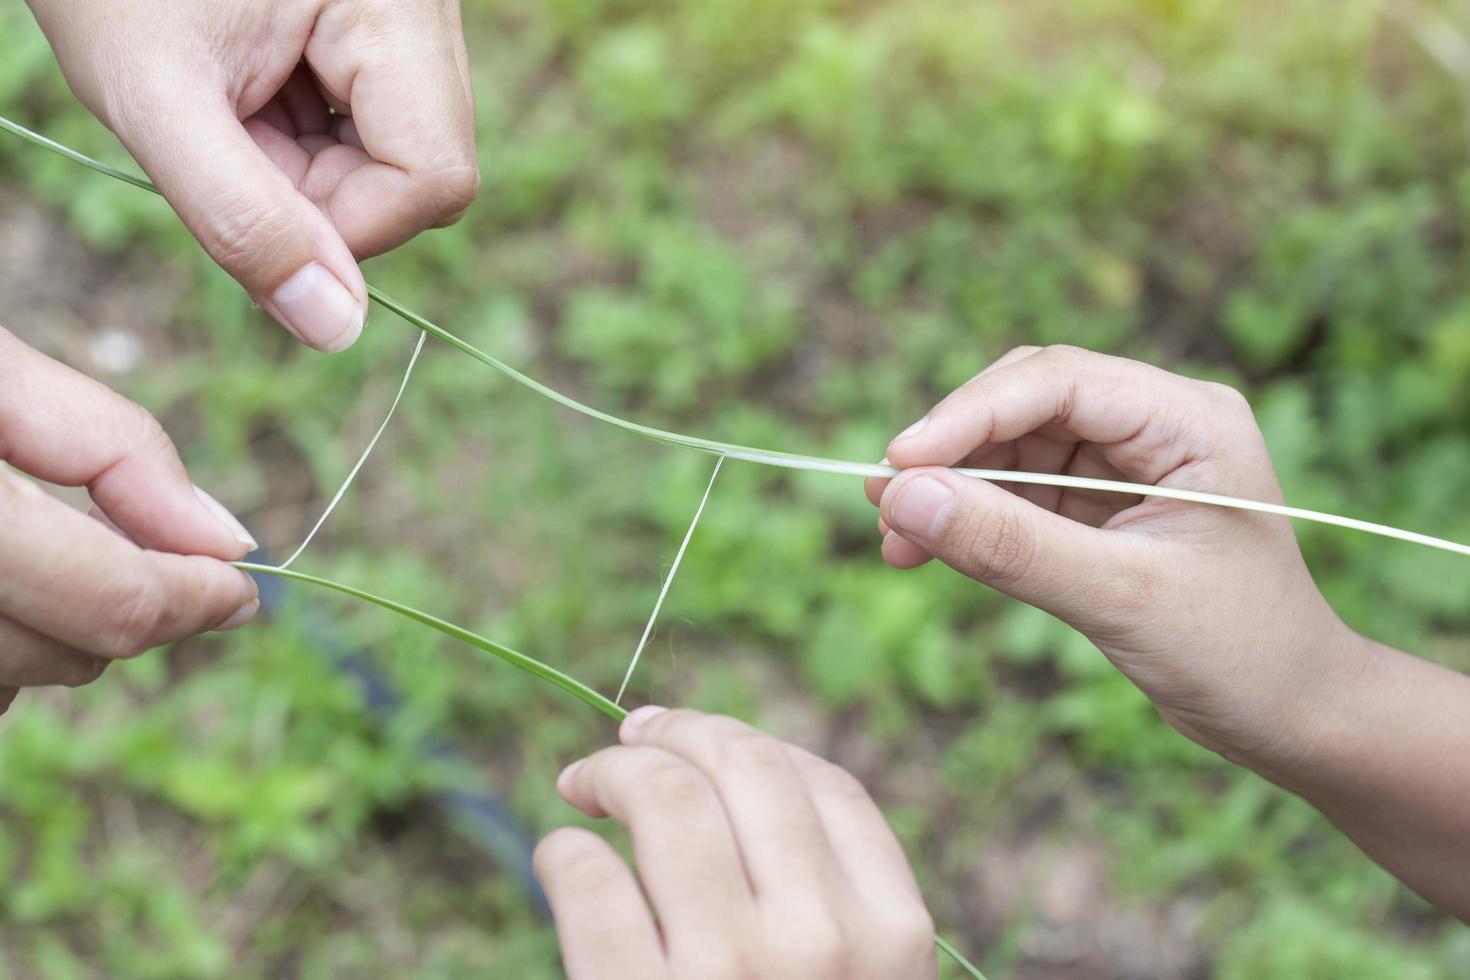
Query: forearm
point(1385, 755)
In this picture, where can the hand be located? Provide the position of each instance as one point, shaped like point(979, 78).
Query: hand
point(757, 859)
point(1211, 612)
point(77, 593)
point(293, 137)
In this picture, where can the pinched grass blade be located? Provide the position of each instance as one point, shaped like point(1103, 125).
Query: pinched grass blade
point(515, 658)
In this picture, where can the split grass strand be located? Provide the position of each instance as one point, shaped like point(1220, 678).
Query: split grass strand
point(372, 444)
point(669, 580)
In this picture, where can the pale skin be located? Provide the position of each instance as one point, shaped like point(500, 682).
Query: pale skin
point(294, 138)
point(147, 568)
point(298, 137)
point(754, 858)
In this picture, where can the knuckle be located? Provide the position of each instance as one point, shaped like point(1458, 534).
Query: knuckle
point(676, 785)
point(451, 188)
point(752, 752)
point(812, 944)
point(997, 544)
point(136, 616)
point(245, 237)
point(1134, 589)
point(1065, 352)
point(835, 783)
point(569, 856)
point(150, 433)
point(1228, 398)
point(675, 724)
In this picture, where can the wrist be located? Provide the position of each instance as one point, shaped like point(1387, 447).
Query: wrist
point(1316, 709)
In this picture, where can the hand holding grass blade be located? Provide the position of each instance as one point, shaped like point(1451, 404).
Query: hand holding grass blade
point(1211, 612)
point(753, 857)
point(292, 137)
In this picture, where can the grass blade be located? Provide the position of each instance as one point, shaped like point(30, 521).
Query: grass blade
point(530, 665)
point(949, 950)
point(361, 460)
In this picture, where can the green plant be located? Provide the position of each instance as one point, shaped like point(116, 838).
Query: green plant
point(918, 219)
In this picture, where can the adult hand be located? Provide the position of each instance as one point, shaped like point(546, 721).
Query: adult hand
point(754, 859)
point(1211, 612)
point(77, 593)
point(294, 137)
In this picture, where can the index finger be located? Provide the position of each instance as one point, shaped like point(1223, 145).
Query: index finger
point(687, 855)
point(412, 113)
point(63, 427)
point(1149, 421)
point(67, 576)
point(781, 836)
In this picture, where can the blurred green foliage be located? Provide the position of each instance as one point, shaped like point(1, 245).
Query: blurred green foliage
point(794, 223)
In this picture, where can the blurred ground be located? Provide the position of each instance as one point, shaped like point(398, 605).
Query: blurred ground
point(792, 224)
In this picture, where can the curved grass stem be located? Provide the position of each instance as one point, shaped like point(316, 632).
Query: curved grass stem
point(515, 658)
point(769, 457)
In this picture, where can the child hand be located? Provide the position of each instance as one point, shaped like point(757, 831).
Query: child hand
point(1211, 612)
point(757, 859)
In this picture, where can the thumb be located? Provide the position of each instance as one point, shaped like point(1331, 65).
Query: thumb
point(250, 217)
point(1073, 571)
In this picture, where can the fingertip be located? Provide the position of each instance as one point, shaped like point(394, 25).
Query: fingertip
point(157, 508)
point(874, 486)
point(566, 781)
point(631, 728)
point(911, 431)
point(243, 542)
point(239, 617)
point(918, 502)
point(903, 554)
point(562, 850)
point(319, 308)
point(914, 445)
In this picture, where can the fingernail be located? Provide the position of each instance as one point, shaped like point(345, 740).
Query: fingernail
point(913, 430)
point(230, 521)
point(637, 719)
point(564, 781)
point(315, 306)
point(922, 508)
point(239, 617)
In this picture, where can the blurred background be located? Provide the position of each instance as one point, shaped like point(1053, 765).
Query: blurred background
point(792, 223)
